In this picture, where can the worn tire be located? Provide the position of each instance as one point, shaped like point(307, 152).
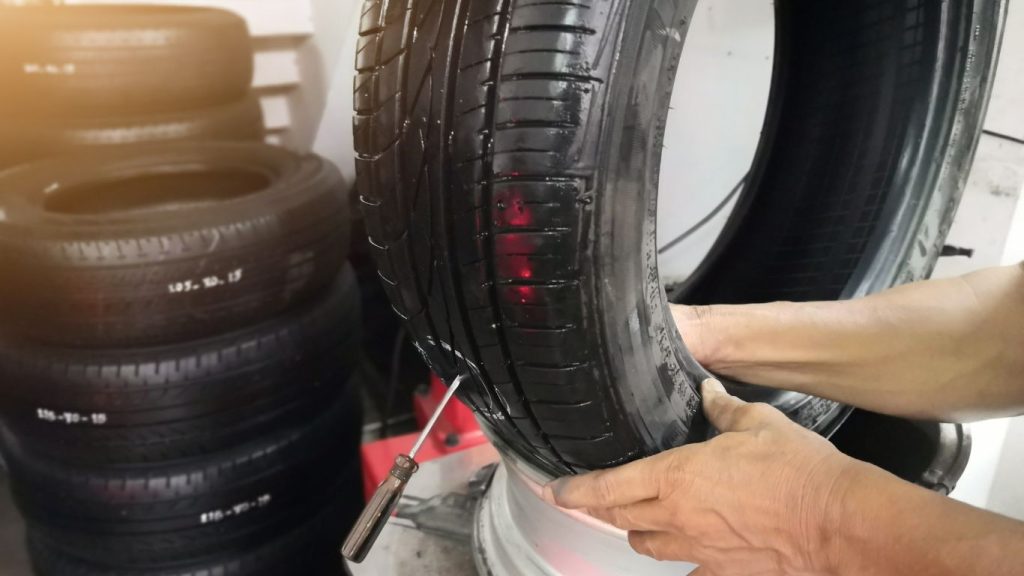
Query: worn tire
point(25, 139)
point(161, 404)
point(508, 158)
point(309, 550)
point(160, 513)
point(166, 243)
point(89, 60)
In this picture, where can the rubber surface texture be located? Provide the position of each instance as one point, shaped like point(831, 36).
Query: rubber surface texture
point(508, 153)
point(309, 550)
point(166, 243)
point(25, 139)
point(153, 514)
point(89, 60)
point(161, 404)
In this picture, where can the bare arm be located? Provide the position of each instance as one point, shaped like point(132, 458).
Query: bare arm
point(891, 527)
point(942, 349)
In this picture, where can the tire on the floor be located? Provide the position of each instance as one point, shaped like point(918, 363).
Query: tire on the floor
point(166, 243)
point(138, 405)
point(309, 550)
point(121, 59)
point(25, 139)
point(508, 161)
point(151, 515)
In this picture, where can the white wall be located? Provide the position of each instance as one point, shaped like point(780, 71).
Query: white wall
point(713, 129)
point(1006, 494)
point(1006, 112)
point(333, 139)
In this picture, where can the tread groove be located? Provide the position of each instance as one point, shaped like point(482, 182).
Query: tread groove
point(563, 28)
point(521, 124)
point(556, 3)
point(545, 51)
point(550, 76)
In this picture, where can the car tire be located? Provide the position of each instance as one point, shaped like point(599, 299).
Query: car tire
point(161, 513)
point(134, 60)
point(26, 139)
point(166, 243)
point(310, 550)
point(146, 405)
point(508, 160)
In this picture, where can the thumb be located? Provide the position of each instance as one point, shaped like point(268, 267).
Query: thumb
point(726, 412)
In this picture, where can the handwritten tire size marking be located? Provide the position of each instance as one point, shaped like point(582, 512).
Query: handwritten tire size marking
point(48, 69)
point(71, 418)
point(221, 514)
point(205, 283)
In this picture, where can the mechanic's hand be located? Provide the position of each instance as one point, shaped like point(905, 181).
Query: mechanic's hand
point(760, 499)
point(906, 351)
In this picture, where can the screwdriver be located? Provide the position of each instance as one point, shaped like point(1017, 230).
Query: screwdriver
point(378, 511)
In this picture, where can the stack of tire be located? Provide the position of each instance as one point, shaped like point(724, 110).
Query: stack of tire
point(179, 329)
point(75, 76)
point(180, 339)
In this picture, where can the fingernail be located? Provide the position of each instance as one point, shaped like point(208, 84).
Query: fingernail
point(712, 386)
point(551, 491)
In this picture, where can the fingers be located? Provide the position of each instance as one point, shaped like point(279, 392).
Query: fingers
point(728, 413)
point(721, 408)
point(660, 545)
point(627, 484)
point(649, 515)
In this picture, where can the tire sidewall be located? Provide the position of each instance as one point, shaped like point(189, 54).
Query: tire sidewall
point(921, 222)
point(655, 377)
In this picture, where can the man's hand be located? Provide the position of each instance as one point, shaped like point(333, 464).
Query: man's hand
point(947, 350)
point(760, 499)
point(769, 498)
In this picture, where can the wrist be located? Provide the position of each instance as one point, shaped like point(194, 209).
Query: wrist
point(830, 502)
point(884, 525)
point(701, 329)
point(759, 340)
point(872, 511)
point(843, 510)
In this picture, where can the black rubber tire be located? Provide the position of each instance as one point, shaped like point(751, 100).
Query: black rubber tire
point(154, 514)
point(508, 158)
point(929, 454)
point(117, 274)
point(161, 404)
point(309, 550)
point(26, 139)
point(121, 59)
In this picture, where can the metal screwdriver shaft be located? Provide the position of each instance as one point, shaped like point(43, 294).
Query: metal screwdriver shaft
point(377, 512)
point(433, 417)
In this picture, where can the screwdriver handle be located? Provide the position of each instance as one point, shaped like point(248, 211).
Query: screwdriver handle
point(378, 510)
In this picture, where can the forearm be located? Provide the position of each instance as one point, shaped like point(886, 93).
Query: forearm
point(945, 349)
point(886, 526)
